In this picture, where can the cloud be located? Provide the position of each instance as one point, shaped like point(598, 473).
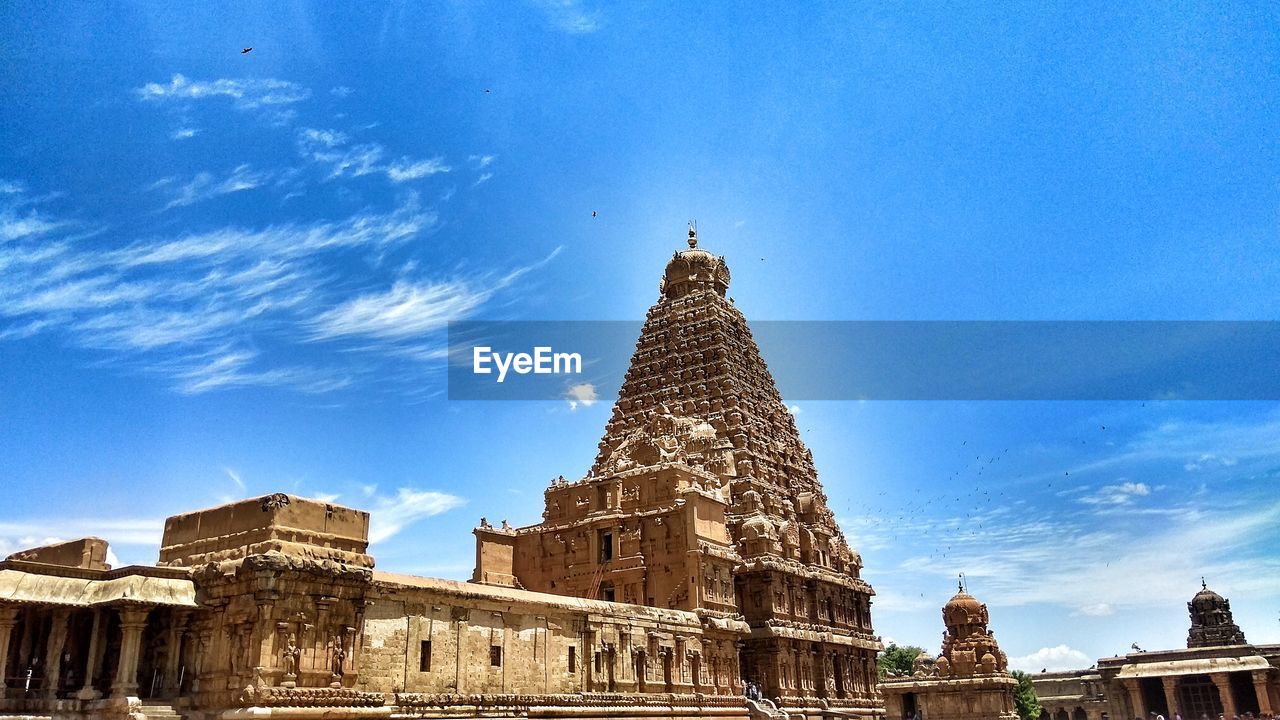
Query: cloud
point(310, 138)
point(406, 169)
point(481, 162)
point(1053, 659)
point(340, 91)
point(1209, 460)
point(235, 478)
point(390, 515)
point(22, 534)
point(332, 150)
point(484, 178)
point(407, 309)
point(1096, 610)
point(1120, 494)
point(18, 220)
point(245, 94)
point(189, 307)
point(571, 16)
point(204, 186)
point(183, 133)
point(581, 394)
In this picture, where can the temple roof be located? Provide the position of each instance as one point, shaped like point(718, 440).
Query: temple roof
point(34, 583)
point(697, 362)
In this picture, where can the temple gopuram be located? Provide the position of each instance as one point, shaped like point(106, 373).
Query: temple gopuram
point(696, 560)
point(703, 498)
point(1218, 673)
point(969, 681)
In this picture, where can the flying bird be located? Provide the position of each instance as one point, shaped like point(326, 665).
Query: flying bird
point(593, 213)
point(488, 90)
point(246, 50)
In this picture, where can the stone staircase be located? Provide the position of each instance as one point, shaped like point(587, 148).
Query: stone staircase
point(761, 709)
point(160, 710)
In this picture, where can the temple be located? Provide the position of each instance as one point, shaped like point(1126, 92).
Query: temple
point(696, 562)
point(969, 681)
point(1218, 673)
point(703, 498)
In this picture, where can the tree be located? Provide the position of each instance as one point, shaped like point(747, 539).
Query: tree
point(897, 659)
point(1024, 696)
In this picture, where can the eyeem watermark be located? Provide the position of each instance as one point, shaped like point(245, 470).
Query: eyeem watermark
point(543, 361)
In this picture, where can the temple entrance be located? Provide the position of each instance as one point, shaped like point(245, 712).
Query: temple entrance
point(1242, 691)
point(909, 706)
point(1197, 697)
point(1153, 695)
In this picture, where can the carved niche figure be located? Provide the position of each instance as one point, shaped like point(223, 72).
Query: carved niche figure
point(339, 656)
point(290, 655)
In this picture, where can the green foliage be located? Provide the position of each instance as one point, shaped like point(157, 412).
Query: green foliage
point(1024, 697)
point(897, 659)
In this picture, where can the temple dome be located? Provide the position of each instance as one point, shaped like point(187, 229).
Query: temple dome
point(964, 609)
point(1207, 599)
point(694, 270)
point(962, 602)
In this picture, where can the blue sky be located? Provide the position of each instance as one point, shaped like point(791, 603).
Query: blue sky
point(224, 274)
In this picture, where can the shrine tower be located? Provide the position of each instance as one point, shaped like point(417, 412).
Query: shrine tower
point(703, 497)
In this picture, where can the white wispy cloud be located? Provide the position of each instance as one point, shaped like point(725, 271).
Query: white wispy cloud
point(245, 93)
point(1120, 494)
point(406, 309)
point(333, 150)
point(205, 186)
point(406, 169)
point(1053, 659)
point(198, 308)
point(22, 534)
point(15, 224)
point(183, 133)
point(235, 478)
point(390, 515)
point(571, 16)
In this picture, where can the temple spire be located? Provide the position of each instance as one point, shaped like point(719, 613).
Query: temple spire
point(693, 233)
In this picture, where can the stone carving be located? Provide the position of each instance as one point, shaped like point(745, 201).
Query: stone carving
point(290, 655)
point(273, 501)
point(337, 657)
point(1211, 620)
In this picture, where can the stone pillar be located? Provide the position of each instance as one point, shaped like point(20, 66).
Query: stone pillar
point(8, 619)
point(1263, 692)
point(1136, 705)
point(1223, 682)
point(88, 692)
point(61, 618)
point(132, 621)
point(1170, 694)
point(173, 651)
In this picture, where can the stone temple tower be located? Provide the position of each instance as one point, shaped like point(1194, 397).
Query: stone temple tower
point(969, 681)
point(703, 497)
point(1211, 621)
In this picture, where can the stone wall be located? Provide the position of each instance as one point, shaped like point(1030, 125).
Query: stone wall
point(89, 553)
point(495, 640)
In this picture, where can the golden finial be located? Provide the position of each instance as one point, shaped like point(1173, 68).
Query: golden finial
point(693, 233)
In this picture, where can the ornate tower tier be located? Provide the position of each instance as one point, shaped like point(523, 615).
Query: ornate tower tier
point(1211, 621)
point(969, 681)
point(703, 497)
